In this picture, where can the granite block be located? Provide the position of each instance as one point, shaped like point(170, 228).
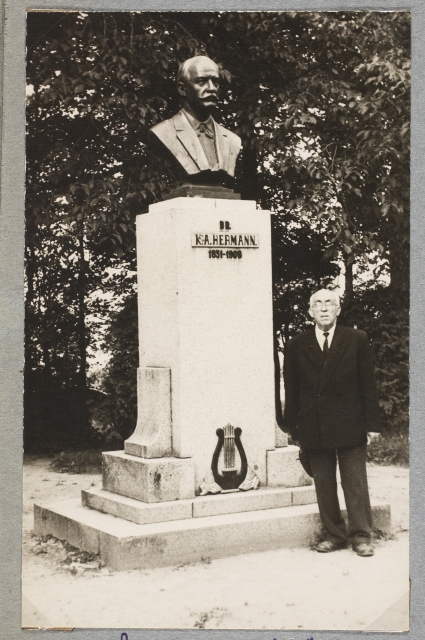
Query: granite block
point(148, 479)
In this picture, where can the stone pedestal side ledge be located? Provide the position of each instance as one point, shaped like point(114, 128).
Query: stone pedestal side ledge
point(284, 468)
point(152, 437)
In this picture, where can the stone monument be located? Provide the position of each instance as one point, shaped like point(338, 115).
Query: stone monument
point(206, 403)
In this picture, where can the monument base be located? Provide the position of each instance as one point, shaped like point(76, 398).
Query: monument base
point(200, 507)
point(125, 545)
point(202, 191)
point(148, 479)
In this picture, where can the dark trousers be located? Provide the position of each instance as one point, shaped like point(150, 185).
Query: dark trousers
point(352, 467)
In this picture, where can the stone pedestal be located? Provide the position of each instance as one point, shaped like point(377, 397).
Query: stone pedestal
point(205, 331)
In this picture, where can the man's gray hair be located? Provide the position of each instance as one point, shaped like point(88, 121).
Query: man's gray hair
point(334, 294)
point(183, 71)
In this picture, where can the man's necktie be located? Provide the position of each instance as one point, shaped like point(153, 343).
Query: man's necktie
point(325, 344)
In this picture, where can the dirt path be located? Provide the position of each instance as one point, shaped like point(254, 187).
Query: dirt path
point(284, 589)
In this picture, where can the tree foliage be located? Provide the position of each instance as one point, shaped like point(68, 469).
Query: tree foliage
point(116, 415)
point(321, 102)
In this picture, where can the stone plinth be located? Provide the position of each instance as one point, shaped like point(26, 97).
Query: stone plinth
point(148, 480)
point(199, 507)
point(205, 314)
point(125, 545)
point(134, 510)
point(202, 191)
point(284, 468)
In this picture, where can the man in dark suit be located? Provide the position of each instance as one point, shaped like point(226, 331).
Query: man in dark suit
point(203, 150)
point(331, 404)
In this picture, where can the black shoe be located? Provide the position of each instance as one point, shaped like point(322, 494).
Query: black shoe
point(329, 545)
point(363, 549)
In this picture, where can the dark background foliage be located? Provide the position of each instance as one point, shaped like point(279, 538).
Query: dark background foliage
point(321, 102)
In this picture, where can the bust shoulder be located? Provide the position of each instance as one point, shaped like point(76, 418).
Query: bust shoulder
point(164, 126)
point(233, 137)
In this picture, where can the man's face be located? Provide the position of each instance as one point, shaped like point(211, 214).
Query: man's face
point(324, 308)
point(200, 87)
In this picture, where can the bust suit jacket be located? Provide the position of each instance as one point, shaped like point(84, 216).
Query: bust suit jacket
point(179, 137)
point(332, 403)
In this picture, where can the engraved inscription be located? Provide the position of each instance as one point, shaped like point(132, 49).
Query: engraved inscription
point(213, 240)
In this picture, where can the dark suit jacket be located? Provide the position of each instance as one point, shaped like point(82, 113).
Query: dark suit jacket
point(334, 404)
point(179, 137)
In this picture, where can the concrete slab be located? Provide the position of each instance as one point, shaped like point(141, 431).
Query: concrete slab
point(124, 545)
point(148, 479)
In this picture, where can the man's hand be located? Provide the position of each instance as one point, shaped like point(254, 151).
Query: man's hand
point(372, 436)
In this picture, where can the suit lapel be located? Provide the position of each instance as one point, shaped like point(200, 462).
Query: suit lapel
point(313, 350)
point(188, 138)
point(336, 350)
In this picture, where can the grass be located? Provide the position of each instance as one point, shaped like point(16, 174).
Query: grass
point(89, 461)
point(69, 558)
point(390, 448)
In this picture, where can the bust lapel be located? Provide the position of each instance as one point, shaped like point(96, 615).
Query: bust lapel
point(188, 138)
point(223, 146)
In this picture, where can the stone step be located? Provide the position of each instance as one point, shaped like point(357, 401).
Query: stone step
point(125, 545)
point(234, 502)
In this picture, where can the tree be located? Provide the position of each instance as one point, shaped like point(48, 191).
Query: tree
point(117, 413)
point(321, 101)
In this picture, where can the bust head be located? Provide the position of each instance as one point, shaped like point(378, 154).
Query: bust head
point(198, 82)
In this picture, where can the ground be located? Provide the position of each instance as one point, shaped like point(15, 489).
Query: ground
point(283, 589)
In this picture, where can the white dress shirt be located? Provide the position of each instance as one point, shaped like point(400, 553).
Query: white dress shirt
point(321, 338)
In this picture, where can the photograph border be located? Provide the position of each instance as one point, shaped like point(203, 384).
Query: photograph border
point(12, 200)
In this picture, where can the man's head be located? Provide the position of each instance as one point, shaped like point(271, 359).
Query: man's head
point(198, 83)
point(324, 308)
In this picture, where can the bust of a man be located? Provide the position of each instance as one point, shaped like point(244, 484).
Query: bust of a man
point(200, 149)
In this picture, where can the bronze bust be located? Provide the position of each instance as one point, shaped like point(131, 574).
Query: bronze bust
point(200, 150)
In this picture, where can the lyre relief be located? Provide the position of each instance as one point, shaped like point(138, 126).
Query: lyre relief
point(229, 439)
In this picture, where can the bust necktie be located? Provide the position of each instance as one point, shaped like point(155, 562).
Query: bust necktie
point(325, 344)
point(206, 138)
